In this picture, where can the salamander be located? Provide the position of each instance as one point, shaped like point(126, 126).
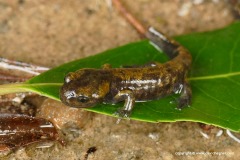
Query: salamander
point(88, 87)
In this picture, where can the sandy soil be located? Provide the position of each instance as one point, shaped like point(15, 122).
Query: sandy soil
point(49, 33)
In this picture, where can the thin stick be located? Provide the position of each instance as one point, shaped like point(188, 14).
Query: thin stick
point(130, 18)
point(25, 67)
point(31, 69)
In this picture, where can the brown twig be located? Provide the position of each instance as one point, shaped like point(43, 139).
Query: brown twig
point(130, 18)
point(21, 66)
point(31, 69)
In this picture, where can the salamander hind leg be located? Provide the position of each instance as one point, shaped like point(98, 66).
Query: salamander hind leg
point(128, 97)
point(185, 97)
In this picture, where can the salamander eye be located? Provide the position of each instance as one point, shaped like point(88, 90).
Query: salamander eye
point(82, 99)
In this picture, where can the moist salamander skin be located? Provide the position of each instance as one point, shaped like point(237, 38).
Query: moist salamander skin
point(88, 87)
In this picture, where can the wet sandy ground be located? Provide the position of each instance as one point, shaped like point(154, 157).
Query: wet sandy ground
point(49, 33)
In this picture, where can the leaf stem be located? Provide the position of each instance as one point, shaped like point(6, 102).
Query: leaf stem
point(23, 87)
point(12, 88)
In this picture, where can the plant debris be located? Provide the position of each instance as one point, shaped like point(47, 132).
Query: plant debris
point(18, 130)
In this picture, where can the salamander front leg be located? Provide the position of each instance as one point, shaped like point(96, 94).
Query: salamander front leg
point(128, 97)
point(185, 97)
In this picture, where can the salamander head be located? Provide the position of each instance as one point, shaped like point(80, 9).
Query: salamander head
point(84, 88)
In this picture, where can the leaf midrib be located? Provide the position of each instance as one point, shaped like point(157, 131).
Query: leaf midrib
point(43, 84)
point(217, 76)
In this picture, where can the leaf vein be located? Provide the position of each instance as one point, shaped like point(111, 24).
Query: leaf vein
point(226, 75)
point(200, 50)
point(212, 97)
point(233, 81)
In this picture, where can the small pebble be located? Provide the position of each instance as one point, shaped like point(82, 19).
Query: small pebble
point(60, 114)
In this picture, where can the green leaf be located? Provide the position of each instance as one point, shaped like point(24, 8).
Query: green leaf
point(214, 77)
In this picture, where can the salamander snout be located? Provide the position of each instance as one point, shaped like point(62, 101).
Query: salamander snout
point(83, 89)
